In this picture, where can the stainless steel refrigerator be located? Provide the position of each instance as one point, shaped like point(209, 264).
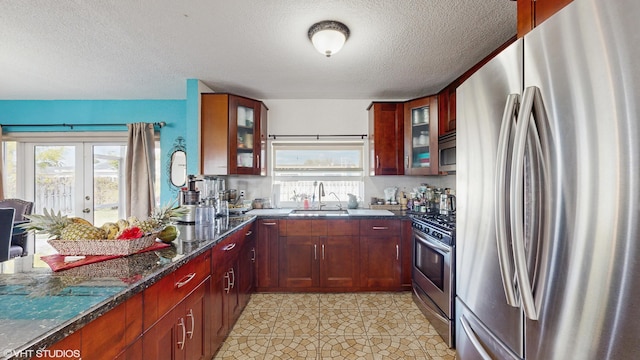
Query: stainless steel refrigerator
point(548, 184)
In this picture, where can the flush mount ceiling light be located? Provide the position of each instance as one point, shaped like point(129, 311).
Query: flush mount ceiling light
point(328, 36)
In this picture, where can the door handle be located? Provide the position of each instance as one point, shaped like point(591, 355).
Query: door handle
point(193, 323)
point(474, 339)
point(397, 252)
point(228, 286)
point(184, 334)
point(531, 106)
point(315, 252)
point(233, 278)
point(253, 255)
point(503, 171)
point(322, 251)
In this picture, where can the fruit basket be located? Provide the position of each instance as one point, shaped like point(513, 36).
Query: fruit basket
point(103, 246)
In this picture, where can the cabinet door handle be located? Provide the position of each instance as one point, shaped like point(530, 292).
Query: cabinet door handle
point(233, 278)
point(185, 280)
point(228, 286)
point(322, 251)
point(268, 223)
point(184, 334)
point(377, 162)
point(258, 162)
point(315, 252)
point(193, 323)
point(253, 255)
point(229, 247)
point(380, 228)
point(249, 233)
point(397, 252)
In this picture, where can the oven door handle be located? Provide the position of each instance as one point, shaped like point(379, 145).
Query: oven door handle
point(432, 244)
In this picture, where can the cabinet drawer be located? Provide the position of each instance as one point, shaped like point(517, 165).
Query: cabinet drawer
point(188, 276)
point(162, 296)
point(229, 247)
point(379, 227)
point(343, 227)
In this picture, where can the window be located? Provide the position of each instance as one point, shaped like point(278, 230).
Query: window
point(300, 167)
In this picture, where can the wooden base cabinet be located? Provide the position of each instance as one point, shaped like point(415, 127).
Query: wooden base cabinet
point(267, 254)
point(183, 333)
point(380, 258)
point(319, 254)
point(232, 282)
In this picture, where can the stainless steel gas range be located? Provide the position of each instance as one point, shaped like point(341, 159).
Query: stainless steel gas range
point(433, 270)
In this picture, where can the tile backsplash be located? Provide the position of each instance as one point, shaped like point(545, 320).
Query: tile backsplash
point(260, 187)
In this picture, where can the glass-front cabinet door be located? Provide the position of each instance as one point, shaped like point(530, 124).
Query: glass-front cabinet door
point(245, 120)
point(421, 136)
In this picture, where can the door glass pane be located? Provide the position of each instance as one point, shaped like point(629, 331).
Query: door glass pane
point(9, 170)
point(420, 137)
point(108, 183)
point(55, 175)
point(245, 136)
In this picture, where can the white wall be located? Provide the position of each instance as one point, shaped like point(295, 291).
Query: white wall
point(327, 117)
point(313, 117)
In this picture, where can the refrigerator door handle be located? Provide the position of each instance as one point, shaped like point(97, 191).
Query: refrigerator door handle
point(530, 98)
point(503, 172)
point(473, 338)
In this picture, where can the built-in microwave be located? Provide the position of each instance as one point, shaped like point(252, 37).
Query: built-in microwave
point(447, 152)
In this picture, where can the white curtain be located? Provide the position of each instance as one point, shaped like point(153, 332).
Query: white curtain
point(139, 171)
point(1, 166)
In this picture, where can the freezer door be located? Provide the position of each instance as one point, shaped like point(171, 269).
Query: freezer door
point(480, 107)
point(475, 341)
point(584, 61)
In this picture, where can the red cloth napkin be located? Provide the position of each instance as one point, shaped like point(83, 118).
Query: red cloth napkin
point(56, 262)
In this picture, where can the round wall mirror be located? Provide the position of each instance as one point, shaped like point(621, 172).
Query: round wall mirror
point(178, 168)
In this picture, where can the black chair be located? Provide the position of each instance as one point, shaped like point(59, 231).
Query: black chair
point(22, 208)
point(7, 251)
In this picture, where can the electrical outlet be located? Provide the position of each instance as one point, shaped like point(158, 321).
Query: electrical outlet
point(242, 193)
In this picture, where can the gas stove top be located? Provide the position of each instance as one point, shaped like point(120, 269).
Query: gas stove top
point(439, 226)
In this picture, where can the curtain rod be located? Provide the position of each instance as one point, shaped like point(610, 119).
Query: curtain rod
point(158, 124)
point(361, 136)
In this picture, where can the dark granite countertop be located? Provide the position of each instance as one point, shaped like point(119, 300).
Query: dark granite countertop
point(41, 307)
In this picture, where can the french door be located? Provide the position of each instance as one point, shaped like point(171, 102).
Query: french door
point(82, 179)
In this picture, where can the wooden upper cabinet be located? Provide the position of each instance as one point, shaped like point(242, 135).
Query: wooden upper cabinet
point(421, 136)
point(386, 141)
point(233, 134)
point(532, 13)
point(447, 109)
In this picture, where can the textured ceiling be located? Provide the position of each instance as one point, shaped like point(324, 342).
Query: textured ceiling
point(146, 49)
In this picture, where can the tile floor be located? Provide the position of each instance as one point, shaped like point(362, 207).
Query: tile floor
point(333, 326)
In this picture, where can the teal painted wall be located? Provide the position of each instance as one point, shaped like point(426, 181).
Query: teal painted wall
point(173, 112)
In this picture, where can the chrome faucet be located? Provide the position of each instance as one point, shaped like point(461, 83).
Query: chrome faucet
point(320, 195)
point(339, 202)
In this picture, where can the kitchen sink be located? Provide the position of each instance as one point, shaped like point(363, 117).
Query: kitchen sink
point(316, 212)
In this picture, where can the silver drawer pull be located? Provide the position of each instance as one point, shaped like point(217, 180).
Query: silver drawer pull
point(268, 223)
point(185, 280)
point(380, 228)
point(229, 247)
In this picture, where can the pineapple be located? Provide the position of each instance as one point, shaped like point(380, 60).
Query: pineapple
point(50, 223)
point(60, 226)
point(78, 231)
point(160, 217)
